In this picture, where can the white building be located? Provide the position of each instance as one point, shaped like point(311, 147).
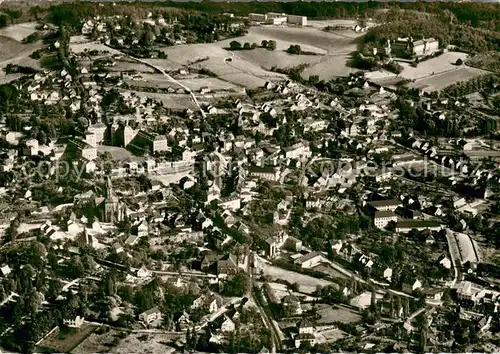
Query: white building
point(297, 20)
point(150, 315)
point(383, 218)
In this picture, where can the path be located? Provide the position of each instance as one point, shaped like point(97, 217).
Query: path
point(275, 338)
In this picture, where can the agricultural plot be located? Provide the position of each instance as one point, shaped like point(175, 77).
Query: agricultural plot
point(172, 101)
point(18, 32)
point(117, 153)
point(330, 314)
point(89, 46)
point(307, 284)
point(130, 65)
point(448, 78)
point(64, 340)
point(152, 80)
point(212, 83)
point(440, 64)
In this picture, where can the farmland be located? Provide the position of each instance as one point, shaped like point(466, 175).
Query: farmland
point(13, 52)
point(330, 314)
point(114, 341)
point(251, 68)
point(65, 340)
point(18, 32)
point(307, 284)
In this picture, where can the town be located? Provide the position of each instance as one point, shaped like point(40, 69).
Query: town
point(200, 177)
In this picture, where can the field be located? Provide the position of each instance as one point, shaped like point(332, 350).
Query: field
point(329, 314)
point(172, 101)
point(113, 342)
point(18, 32)
point(440, 81)
point(89, 46)
point(437, 73)
point(117, 153)
point(65, 340)
point(14, 52)
point(307, 284)
point(214, 84)
point(251, 68)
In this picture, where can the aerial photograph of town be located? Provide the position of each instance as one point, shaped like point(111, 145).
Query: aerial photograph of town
point(249, 177)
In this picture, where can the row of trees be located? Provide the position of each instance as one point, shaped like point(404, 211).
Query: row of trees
point(235, 45)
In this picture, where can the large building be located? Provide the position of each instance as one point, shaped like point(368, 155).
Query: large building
point(110, 208)
point(257, 17)
point(81, 149)
point(297, 20)
point(407, 47)
point(383, 218)
point(276, 18)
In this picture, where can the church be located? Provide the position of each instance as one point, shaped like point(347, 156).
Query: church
point(109, 207)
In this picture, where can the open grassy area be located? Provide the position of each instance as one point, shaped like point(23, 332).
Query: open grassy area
point(330, 314)
point(64, 340)
point(114, 341)
point(19, 31)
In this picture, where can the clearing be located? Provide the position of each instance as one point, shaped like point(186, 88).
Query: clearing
point(115, 341)
point(307, 284)
point(18, 32)
point(63, 340)
point(440, 64)
point(330, 314)
point(12, 52)
point(117, 153)
point(445, 79)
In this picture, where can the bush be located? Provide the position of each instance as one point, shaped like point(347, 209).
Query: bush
point(235, 45)
point(294, 49)
point(459, 62)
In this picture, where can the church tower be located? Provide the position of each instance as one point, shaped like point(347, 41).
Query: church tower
point(111, 204)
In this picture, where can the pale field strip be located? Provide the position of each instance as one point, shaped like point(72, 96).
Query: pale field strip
point(19, 31)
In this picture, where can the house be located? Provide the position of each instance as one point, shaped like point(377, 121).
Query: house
point(227, 325)
point(411, 285)
point(182, 320)
point(74, 322)
point(292, 305)
point(310, 260)
point(387, 274)
point(385, 205)
point(151, 315)
point(265, 173)
point(445, 262)
point(306, 330)
point(433, 294)
point(227, 266)
point(5, 269)
point(143, 272)
point(419, 225)
point(383, 218)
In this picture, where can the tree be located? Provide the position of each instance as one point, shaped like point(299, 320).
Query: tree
point(237, 286)
point(271, 45)
point(459, 62)
point(246, 46)
point(264, 44)
point(235, 45)
point(294, 49)
point(3, 20)
point(254, 45)
point(313, 79)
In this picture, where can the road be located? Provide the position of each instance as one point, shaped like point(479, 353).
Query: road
point(157, 68)
point(456, 259)
point(275, 338)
